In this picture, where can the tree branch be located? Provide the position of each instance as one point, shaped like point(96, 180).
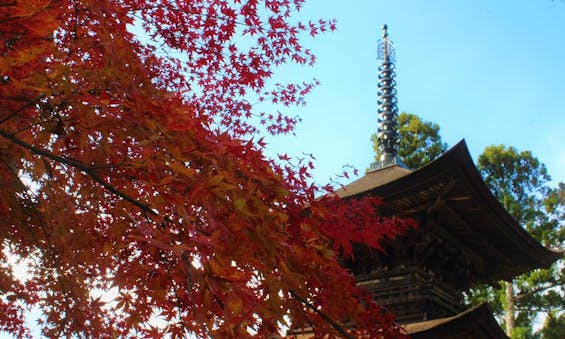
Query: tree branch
point(80, 166)
point(538, 309)
point(32, 102)
point(542, 288)
point(334, 324)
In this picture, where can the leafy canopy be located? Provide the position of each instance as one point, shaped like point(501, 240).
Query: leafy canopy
point(133, 185)
point(420, 141)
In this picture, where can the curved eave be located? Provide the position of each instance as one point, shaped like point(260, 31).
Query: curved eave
point(452, 186)
point(474, 323)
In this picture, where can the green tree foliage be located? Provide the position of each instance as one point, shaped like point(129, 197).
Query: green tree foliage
point(520, 182)
point(554, 326)
point(420, 141)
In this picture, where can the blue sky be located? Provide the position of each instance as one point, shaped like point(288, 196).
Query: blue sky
point(492, 72)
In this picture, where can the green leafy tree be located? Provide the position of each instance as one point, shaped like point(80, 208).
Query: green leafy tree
point(520, 182)
point(420, 141)
point(554, 326)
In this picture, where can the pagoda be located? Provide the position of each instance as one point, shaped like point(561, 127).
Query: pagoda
point(465, 236)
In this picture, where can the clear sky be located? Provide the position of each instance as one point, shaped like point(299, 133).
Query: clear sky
point(492, 72)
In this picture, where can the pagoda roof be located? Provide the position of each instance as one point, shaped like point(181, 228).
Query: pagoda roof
point(474, 323)
point(465, 212)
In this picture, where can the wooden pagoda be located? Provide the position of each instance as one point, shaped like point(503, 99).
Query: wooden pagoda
point(465, 236)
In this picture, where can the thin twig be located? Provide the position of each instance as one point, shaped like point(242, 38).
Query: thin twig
point(32, 102)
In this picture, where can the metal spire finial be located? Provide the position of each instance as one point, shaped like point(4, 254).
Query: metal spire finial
point(386, 49)
point(388, 112)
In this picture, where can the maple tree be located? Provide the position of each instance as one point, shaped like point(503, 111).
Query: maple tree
point(128, 170)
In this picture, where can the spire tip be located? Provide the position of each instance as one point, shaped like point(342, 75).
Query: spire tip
point(387, 136)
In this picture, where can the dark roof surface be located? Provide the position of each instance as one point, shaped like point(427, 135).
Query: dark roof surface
point(452, 189)
point(373, 179)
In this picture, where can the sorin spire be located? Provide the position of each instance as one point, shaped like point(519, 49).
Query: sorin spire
point(388, 112)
